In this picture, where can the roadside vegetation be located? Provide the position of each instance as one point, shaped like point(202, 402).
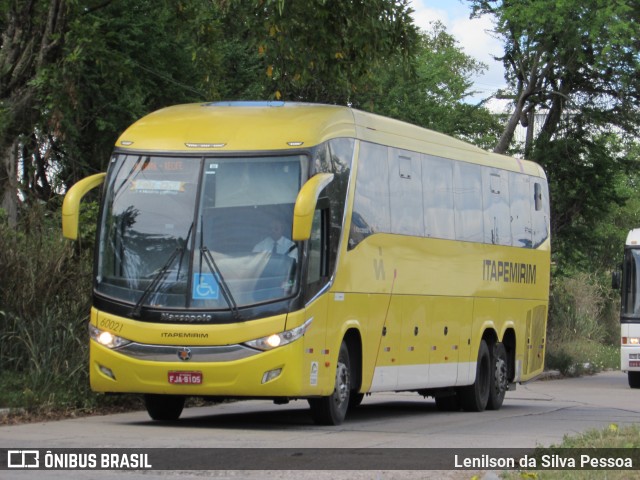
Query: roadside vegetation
point(583, 333)
point(45, 306)
point(612, 437)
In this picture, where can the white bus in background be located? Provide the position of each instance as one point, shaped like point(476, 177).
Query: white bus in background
point(630, 309)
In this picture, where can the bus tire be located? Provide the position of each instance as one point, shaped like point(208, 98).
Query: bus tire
point(332, 410)
point(474, 398)
point(499, 377)
point(164, 407)
point(634, 379)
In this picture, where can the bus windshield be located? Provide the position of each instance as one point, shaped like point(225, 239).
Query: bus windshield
point(631, 283)
point(202, 233)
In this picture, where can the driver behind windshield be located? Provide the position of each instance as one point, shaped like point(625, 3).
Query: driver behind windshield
point(276, 242)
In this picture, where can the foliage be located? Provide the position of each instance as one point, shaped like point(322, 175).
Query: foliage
point(579, 356)
point(608, 439)
point(569, 57)
point(119, 62)
point(588, 180)
point(432, 93)
point(583, 331)
point(611, 437)
point(583, 305)
point(328, 50)
point(101, 65)
point(575, 62)
point(43, 337)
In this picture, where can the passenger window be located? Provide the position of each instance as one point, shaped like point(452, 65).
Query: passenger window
point(437, 182)
point(497, 227)
point(540, 214)
point(371, 205)
point(520, 208)
point(405, 188)
point(467, 201)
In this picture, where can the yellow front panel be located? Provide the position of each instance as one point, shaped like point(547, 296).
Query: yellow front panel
point(188, 334)
point(225, 378)
point(241, 377)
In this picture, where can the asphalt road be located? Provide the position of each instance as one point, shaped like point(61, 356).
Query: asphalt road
point(540, 413)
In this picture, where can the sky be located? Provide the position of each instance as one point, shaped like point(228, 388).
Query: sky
point(472, 36)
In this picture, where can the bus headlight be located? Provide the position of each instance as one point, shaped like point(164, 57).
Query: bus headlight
point(630, 341)
point(279, 339)
point(105, 338)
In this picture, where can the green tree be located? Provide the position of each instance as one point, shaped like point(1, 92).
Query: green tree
point(119, 63)
point(433, 91)
point(562, 57)
point(575, 62)
point(327, 50)
point(31, 38)
point(73, 74)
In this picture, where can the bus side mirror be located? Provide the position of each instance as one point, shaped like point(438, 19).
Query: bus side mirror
point(306, 205)
point(615, 280)
point(71, 204)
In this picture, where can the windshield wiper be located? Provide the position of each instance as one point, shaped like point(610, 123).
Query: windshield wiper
point(213, 266)
point(224, 287)
point(159, 277)
point(153, 285)
point(184, 248)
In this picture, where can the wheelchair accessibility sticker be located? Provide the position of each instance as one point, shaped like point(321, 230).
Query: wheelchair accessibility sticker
point(205, 287)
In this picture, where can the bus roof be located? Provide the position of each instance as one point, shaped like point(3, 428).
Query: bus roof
point(251, 126)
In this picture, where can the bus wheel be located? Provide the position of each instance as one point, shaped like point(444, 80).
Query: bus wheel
point(164, 407)
point(474, 398)
point(634, 379)
point(499, 377)
point(332, 410)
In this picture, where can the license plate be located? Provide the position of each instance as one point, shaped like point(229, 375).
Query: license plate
point(185, 378)
point(634, 363)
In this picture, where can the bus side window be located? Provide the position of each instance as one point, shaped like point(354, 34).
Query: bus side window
point(520, 210)
point(467, 202)
point(371, 206)
point(539, 214)
point(405, 193)
point(537, 195)
point(318, 253)
point(497, 220)
point(437, 197)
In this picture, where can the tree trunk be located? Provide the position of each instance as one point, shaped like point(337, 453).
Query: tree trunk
point(521, 101)
point(8, 183)
point(30, 41)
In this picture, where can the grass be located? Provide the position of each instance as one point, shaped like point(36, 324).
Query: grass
point(28, 399)
point(583, 329)
point(581, 356)
point(611, 438)
point(43, 321)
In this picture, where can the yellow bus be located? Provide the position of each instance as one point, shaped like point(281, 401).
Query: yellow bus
point(296, 251)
